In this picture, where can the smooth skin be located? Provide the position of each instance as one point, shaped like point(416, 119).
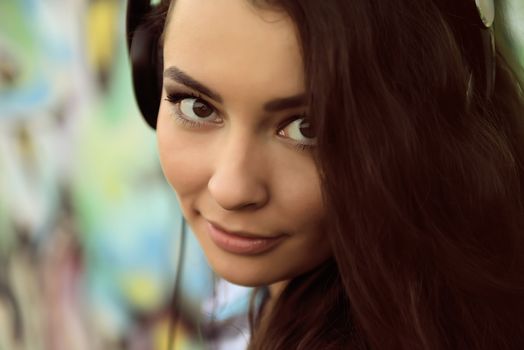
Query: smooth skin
point(239, 153)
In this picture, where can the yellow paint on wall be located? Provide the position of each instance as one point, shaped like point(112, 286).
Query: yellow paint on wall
point(182, 340)
point(102, 30)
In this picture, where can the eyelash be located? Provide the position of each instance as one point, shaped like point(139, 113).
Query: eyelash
point(299, 146)
point(175, 98)
point(303, 146)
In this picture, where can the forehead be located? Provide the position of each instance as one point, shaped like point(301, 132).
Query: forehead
point(231, 45)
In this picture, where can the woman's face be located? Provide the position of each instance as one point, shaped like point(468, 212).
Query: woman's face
point(233, 143)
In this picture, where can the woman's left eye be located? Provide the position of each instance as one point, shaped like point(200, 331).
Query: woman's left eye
point(193, 110)
point(301, 131)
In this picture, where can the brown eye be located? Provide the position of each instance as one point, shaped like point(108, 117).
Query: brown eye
point(201, 109)
point(194, 108)
point(301, 131)
point(306, 129)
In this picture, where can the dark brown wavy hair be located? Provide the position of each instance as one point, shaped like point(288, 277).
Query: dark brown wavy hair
point(423, 180)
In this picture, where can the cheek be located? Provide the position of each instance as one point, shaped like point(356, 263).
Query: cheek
point(310, 225)
point(300, 194)
point(183, 162)
point(307, 209)
point(302, 211)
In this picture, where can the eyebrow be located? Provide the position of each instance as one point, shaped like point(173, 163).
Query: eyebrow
point(185, 79)
point(274, 105)
point(285, 103)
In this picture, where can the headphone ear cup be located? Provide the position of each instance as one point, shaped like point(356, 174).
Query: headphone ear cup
point(147, 65)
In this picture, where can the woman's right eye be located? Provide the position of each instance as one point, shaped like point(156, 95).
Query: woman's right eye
point(193, 110)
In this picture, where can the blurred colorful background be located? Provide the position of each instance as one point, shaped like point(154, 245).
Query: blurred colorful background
point(89, 230)
point(90, 233)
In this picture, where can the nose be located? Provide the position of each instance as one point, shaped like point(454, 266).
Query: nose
point(238, 181)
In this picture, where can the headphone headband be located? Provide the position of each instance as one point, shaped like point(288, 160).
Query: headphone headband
point(145, 50)
point(145, 53)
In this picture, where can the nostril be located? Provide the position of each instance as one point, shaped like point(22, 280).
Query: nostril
point(246, 207)
point(239, 192)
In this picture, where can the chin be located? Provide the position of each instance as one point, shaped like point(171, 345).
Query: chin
point(250, 282)
point(245, 276)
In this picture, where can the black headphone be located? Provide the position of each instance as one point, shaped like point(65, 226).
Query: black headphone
point(145, 53)
point(145, 49)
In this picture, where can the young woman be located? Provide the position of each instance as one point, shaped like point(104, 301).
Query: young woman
point(362, 159)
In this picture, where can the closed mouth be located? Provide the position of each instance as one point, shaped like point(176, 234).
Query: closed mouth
point(241, 243)
point(242, 234)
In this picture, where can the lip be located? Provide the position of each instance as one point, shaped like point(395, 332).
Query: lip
point(241, 243)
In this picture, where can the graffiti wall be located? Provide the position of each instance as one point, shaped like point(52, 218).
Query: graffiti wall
point(91, 237)
point(90, 232)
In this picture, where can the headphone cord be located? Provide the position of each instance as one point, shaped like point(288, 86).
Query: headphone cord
point(175, 316)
